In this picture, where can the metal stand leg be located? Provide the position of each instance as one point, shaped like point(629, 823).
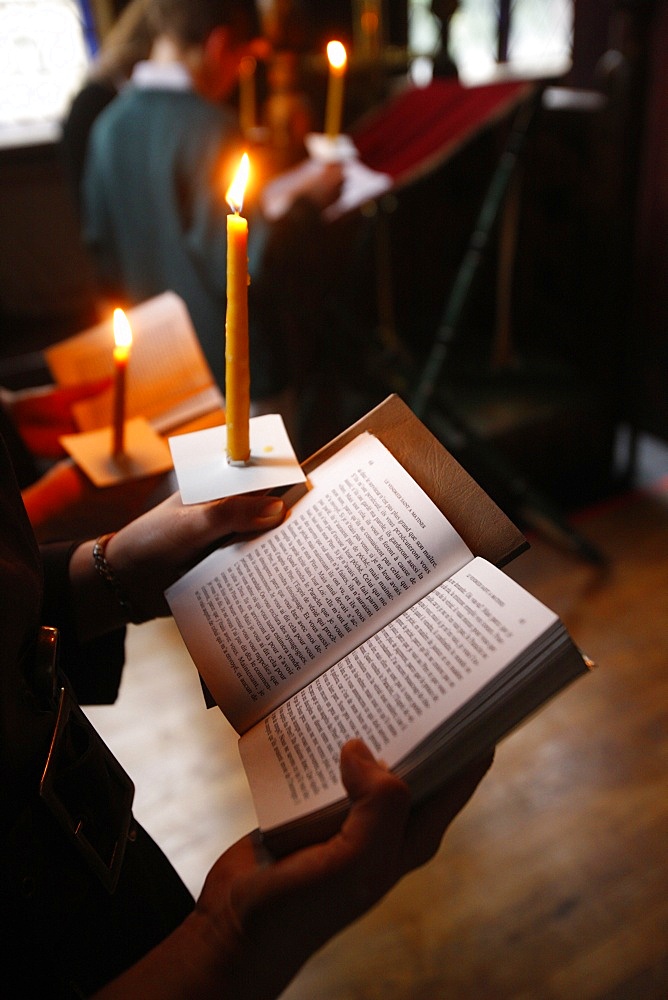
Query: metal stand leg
point(534, 509)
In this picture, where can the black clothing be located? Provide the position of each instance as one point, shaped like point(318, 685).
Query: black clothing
point(65, 933)
point(93, 98)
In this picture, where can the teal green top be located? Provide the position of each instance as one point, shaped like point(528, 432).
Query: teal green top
point(154, 214)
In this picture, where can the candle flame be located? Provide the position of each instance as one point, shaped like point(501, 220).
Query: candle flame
point(337, 55)
point(237, 189)
point(122, 331)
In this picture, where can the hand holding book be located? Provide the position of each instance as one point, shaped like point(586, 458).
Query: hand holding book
point(323, 888)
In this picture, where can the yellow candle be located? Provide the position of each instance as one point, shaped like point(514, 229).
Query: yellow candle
point(237, 367)
point(122, 345)
point(338, 58)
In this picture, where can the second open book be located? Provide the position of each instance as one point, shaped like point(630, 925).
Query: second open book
point(375, 610)
point(170, 382)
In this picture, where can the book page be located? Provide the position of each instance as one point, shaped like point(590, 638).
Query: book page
point(393, 691)
point(262, 618)
point(167, 366)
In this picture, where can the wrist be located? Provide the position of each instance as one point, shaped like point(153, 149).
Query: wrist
point(106, 570)
point(95, 605)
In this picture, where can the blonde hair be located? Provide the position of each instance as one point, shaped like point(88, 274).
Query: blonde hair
point(127, 42)
point(192, 21)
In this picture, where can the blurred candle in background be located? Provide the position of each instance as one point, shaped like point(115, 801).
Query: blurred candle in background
point(338, 59)
point(247, 109)
point(367, 29)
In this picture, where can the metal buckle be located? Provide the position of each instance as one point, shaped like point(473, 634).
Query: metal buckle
point(42, 669)
point(87, 791)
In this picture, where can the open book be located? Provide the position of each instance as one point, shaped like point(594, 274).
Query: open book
point(369, 612)
point(169, 380)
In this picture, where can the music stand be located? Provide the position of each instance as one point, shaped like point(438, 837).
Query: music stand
point(408, 138)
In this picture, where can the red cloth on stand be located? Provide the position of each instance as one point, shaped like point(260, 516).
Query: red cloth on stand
point(420, 128)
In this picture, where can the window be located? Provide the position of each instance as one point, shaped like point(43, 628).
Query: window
point(539, 36)
point(44, 52)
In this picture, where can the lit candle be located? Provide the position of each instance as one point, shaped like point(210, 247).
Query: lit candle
point(247, 94)
point(337, 56)
point(122, 345)
point(367, 29)
point(237, 369)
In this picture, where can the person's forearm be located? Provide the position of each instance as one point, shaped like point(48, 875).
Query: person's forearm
point(191, 964)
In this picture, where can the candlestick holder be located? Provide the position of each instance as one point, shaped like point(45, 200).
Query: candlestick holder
point(330, 148)
point(144, 453)
point(204, 473)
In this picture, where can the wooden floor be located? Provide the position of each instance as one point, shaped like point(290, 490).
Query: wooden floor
point(553, 884)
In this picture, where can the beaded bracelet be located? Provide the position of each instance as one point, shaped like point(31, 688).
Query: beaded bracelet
point(101, 564)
